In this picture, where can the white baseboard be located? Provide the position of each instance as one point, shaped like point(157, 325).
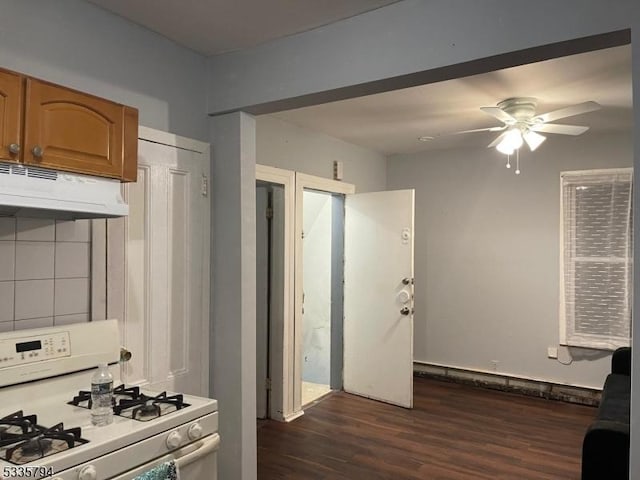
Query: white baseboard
point(510, 383)
point(290, 417)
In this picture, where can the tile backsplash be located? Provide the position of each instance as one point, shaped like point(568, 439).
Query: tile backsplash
point(45, 272)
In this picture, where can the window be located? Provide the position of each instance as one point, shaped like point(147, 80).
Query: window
point(596, 258)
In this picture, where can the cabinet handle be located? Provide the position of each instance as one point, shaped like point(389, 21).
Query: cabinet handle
point(14, 148)
point(37, 151)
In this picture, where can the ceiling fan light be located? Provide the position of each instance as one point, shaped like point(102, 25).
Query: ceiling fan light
point(533, 139)
point(511, 141)
point(505, 147)
point(514, 137)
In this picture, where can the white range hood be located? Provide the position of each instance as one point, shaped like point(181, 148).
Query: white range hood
point(37, 192)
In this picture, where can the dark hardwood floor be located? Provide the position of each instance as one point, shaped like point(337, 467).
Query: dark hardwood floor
point(454, 432)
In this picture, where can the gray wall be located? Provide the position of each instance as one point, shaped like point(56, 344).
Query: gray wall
point(381, 47)
point(283, 145)
point(487, 255)
point(401, 39)
point(81, 46)
point(233, 291)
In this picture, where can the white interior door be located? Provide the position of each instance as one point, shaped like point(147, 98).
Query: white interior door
point(378, 296)
point(166, 261)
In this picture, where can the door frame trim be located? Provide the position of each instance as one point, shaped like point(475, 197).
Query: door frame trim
point(303, 181)
point(282, 382)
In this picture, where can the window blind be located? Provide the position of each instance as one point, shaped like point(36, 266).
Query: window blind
point(597, 263)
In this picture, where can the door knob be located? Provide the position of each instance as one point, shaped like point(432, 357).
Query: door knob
point(407, 281)
point(405, 311)
point(37, 151)
point(125, 355)
point(14, 148)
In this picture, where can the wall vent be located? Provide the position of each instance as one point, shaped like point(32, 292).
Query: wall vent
point(33, 172)
point(18, 170)
point(42, 173)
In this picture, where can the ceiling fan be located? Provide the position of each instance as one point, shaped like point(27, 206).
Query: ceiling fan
point(522, 125)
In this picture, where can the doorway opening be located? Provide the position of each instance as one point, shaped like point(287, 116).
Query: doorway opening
point(269, 288)
point(322, 310)
point(356, 233)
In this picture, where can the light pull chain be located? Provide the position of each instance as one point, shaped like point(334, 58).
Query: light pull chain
point(518, 162)
point(508, 161)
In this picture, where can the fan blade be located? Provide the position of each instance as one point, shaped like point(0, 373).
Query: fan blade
point(489, 129)
point(560, 129)
point(499, 114)
point(497, 140)
point(577, 109)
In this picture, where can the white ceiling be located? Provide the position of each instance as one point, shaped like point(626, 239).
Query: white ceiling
point(215, 26)
point(392, 122)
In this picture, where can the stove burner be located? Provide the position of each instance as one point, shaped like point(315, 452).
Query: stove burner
point(36, 446)
point(149, 410)
point(38, 442)
point(145, 408)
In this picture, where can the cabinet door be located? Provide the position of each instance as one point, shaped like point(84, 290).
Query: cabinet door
point(11, 86)
point(73, 131)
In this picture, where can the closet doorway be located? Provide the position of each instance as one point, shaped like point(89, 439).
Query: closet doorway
point(322, 309)
point(274, 293)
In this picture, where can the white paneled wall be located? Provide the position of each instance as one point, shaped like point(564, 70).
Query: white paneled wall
point(45, 272)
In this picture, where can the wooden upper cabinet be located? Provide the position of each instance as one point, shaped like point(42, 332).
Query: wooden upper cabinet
point(77, 132)
point(11, 93)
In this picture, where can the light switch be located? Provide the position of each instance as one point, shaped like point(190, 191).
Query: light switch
point(338, 170)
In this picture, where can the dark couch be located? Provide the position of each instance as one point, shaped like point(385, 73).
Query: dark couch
point(605, 449)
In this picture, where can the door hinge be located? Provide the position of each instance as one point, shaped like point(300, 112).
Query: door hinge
point(205, 186)
point(269, 213)
point(267, 384)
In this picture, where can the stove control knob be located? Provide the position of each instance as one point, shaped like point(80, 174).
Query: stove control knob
point(195, 431)
point(88, 472)
point(174, 440)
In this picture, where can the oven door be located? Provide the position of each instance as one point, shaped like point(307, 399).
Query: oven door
point(196, 461)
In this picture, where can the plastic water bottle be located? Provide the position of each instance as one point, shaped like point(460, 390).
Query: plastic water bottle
point(101, 396)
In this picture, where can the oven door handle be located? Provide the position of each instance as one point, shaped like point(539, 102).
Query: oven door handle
point(207, 445)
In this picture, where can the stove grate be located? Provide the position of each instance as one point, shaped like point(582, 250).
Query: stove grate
point(37, 442)
point(128, 402)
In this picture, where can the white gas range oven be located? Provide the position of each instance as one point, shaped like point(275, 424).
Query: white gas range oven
point(45, 421)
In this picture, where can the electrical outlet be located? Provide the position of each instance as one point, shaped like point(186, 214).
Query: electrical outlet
point(552, 352)
point(494, 365)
